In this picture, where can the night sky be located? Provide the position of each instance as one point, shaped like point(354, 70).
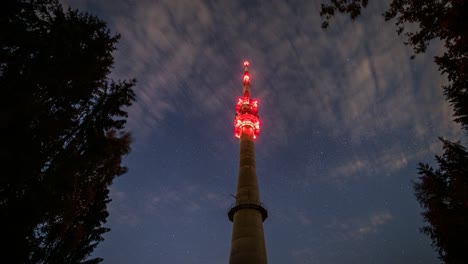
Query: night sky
point(346, 117)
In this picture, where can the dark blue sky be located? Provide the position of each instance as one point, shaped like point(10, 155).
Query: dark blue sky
point(346, 118)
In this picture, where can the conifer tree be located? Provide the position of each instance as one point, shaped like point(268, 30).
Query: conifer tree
point(63, 132)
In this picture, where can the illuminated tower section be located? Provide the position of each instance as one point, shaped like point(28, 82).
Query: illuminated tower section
point(248, 214)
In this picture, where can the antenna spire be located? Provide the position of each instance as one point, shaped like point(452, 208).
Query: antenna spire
point(246, 90)
point(248, 213)
point(246, 120)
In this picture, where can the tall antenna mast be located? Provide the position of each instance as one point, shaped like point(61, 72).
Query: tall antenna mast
point(248, 214)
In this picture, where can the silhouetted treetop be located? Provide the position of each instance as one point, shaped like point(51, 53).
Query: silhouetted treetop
point(443, 194)
point(351, 7)
point(64, 135)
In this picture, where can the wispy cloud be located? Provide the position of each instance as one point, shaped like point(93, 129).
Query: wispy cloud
point(359, 227)
point(186, 198)
point(371, 225)
point(382, 162)
point(193, 50)
point(121, 210)
point(304, 255)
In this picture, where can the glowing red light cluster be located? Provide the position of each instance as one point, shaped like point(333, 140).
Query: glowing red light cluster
point(246, 72)
point(247, 120)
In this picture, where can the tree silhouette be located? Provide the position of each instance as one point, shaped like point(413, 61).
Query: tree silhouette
point(443, 193)
point(351, 7)
point(63, 131)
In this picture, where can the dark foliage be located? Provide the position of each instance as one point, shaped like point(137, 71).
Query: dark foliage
point(351, 7)
point(443, 194)
point(444, 20)
point(62, 127)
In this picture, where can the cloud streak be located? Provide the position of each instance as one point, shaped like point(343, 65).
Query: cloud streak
point(371, 225)
point(184, 199)
point(359, 227)
point(194, 49)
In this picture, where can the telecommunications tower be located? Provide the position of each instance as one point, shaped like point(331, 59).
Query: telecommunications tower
point(248, 214)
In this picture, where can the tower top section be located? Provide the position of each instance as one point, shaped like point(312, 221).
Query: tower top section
point(246, 78)
point(247, 120)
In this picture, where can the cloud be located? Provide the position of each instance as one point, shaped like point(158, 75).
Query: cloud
point(350, 168)
point(366, 88)
point(382, 162)
point(186, 199)
point(189, 198)
point(304, 255)
point(371, 225)
point(351, 81)
point(304, 218)
point(120, 209)
point(359, 227)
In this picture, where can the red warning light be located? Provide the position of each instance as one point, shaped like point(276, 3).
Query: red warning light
point(246, 121)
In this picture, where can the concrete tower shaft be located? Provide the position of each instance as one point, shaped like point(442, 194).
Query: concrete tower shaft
point(248, 214)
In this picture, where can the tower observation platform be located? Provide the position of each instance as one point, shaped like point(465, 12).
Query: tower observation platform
point(248, 213)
